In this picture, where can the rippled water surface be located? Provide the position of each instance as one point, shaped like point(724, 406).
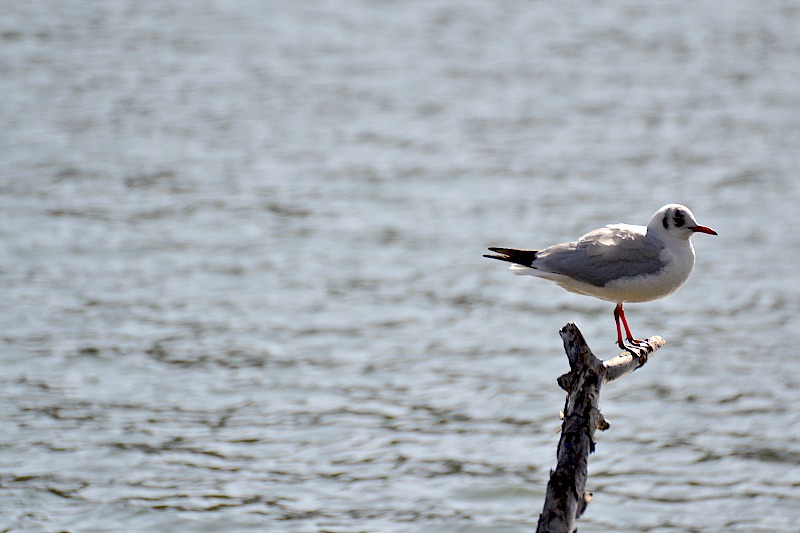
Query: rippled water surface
point(241, 275)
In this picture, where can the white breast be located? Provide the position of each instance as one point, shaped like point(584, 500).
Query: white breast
point(678, 262)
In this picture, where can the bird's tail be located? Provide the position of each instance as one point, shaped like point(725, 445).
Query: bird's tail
point(518, 257)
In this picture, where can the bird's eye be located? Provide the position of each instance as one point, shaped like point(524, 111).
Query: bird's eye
point(679, 219)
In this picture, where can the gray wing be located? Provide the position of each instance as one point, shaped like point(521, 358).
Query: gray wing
point(604, 255)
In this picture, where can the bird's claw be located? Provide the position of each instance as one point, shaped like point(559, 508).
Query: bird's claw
point(632, 345)
point(635, 348)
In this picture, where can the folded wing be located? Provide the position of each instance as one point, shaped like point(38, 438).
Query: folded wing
point(604, 255)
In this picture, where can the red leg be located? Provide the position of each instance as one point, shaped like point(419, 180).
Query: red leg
point(617, 314)
point(629, 336)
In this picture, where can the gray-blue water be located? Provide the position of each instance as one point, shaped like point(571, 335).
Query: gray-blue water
point(241, 276)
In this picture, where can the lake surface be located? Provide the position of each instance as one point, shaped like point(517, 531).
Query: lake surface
point(241, 274)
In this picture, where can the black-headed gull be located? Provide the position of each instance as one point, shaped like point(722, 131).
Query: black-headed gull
point(620, 262)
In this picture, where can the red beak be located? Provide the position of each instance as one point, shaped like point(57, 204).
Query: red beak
point(703, 229)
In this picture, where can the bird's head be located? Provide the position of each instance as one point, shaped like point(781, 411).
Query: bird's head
point(678, 222)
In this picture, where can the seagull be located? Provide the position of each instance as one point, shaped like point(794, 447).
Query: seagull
point(618, 263)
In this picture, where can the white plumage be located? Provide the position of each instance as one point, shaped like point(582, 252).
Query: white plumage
point(619, 262)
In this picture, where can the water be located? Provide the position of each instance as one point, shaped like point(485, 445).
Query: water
point(241, 277)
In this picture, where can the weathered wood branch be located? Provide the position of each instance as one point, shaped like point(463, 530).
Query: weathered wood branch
point(566, 495)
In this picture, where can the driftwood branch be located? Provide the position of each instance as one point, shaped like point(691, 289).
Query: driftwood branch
point(566, 495)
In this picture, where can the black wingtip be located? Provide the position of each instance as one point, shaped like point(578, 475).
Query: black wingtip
point(512, 255)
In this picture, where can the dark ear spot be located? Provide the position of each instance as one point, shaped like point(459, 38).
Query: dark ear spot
point(679, 219)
